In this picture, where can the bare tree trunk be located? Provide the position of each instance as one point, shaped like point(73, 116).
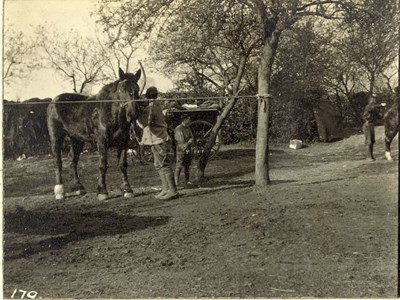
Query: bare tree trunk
point(372, 83)
point(268, 53)
point(202, 163)
point(398, 65)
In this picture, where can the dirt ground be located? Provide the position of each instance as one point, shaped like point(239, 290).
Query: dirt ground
point(325, 227)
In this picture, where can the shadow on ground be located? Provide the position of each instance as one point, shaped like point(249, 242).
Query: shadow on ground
point(232, 153)
point(67, 227)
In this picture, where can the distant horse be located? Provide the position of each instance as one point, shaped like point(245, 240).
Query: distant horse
point(11, 129)
point(107, 123)
point(34, 127)
point(391, 122)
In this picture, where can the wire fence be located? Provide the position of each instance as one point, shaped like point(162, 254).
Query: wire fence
point(25, 123)
point(189, 100)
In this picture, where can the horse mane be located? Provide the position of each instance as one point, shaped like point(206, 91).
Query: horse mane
point(106, 91)
point(109, 90)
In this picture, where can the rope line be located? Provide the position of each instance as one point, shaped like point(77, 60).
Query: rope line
point(138, 100)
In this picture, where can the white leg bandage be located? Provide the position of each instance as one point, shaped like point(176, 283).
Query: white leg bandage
point(388, 156)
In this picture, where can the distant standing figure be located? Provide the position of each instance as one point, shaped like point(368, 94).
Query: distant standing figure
point(369, 115)
point(184, 141)
point(155, 134)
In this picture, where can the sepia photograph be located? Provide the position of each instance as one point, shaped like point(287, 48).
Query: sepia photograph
point(200, 149)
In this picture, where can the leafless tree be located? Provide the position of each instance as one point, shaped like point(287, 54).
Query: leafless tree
point(18, 56)
point(274, 17)
point(79, 59)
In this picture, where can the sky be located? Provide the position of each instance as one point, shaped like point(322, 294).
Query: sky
point(62, 15)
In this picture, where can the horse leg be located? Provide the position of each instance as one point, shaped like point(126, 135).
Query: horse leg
point(57, 136)
point(388, 141)
point(123, 167)
point(102, 193)
point(76, 149)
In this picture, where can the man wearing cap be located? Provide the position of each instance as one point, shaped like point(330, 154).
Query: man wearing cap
point(370, 115)
point(155, 134)
point(184, 140)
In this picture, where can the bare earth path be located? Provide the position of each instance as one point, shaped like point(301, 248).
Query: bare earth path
point(325, 227)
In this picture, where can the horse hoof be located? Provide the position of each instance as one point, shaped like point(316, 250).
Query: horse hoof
point(60, 197)
point(128, 195)
point(59, 192)
point(79, 192)
point(102, 197)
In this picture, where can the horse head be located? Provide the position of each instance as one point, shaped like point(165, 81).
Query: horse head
point(128, 90)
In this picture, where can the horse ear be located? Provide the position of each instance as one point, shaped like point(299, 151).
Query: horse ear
point(138, 74)
point(121, 73)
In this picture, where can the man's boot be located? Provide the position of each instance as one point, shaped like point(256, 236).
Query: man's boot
point(370, 152)
point(187, 175)
point(172, 190)
point(165, 187)
point(177, 174)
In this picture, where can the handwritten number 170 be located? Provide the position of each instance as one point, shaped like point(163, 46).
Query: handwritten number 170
point(28, 294)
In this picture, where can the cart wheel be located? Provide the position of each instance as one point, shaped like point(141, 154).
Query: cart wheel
point(201, 131)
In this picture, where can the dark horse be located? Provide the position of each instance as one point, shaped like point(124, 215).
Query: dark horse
point(391, 122)
point(107, 123)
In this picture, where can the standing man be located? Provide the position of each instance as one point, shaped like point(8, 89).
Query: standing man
point(184, 140)
point(156, 135)
point(370, 115)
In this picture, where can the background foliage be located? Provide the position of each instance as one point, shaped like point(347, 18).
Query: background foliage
point(208, 46)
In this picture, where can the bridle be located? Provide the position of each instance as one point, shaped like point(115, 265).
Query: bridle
point(136, 106)
point(123, 104)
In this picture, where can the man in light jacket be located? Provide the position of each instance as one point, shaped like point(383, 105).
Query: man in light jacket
point(155, 134)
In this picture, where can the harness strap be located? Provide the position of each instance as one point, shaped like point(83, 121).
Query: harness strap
point(149, 119)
